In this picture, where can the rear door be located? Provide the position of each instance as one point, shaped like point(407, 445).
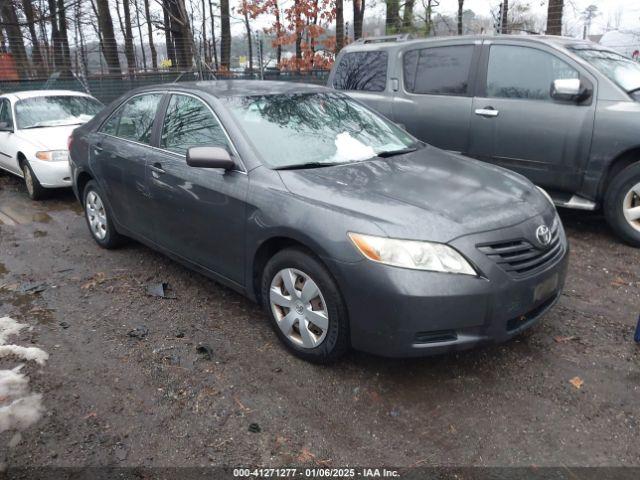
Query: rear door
point(8, 159)
point(119, 153)
point(516, 124)
point(198, 213)
point(363, 75)
point(434, 100)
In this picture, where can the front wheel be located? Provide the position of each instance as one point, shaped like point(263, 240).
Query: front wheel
point(99, 219)
point(622, 204)
point(305, 306)
point(34, 189)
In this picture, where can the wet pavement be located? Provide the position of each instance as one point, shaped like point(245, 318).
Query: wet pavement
point(158, 398)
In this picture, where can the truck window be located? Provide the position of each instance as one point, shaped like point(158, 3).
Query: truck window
point(362, 71)
point(438, 70)
point(524, 73)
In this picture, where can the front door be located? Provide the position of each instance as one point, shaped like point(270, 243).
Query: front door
point(516, 124)
point(199, 213)
point(8, 160)
point(434, 99)
point(120, 151)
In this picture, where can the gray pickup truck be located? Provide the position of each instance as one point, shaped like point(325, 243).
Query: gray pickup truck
point(564, 113)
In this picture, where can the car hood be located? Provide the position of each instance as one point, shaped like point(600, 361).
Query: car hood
point(426, 195)
point(48, 138)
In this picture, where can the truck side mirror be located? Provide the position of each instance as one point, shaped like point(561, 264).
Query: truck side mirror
point(570, 90)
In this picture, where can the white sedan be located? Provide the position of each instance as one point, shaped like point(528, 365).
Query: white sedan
point(34, 128)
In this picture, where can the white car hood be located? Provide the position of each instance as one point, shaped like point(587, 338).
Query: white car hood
point(48, 138)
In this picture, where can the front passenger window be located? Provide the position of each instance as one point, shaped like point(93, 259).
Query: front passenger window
point(190, 123)
point(524, 73)
point(5, 113)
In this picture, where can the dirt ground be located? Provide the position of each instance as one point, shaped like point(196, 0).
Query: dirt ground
point(112, 399)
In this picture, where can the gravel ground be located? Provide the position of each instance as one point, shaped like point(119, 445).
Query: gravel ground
point(113, 399)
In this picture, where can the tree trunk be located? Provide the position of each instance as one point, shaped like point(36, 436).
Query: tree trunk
point(407, 16)
point(182, 34)
point(14, 35)
point(505, 17)
point(298, 32)
point(339, 25)
point(225, 35)
point(214, 46)
point(152, 46)
point(460, 10)
point(392, 22)
point(64, 39)
point(249, 41)
point(276, 13)
point(108, 44)
point(168, 34)
point(205, 44)
point(129, 51)
point(36, 55)
point(358, 17)
point(144, 55)
point(58, 55)
point(554, 17)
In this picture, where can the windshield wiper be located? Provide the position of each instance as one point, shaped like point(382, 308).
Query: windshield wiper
point(300, 166)
point(393, 153)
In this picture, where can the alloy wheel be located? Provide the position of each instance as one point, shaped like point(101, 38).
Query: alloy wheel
point(631, 207)
point(96, 215)
point(299, 308)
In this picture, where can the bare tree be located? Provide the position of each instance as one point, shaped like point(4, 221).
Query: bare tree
point(554, 17)
point(108, 40)
point(64, 39)
point(144, 55)
point(214, 46)
point(358, 18)
point(392, 20)
point(460, 11)
point(40, 66)
point(152, 46)
point(245, 14)
point(505, 17)
point(407, 16)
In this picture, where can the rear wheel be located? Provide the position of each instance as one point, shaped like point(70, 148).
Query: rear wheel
point(305, 306)
point(622, 204)
point(99, 218)
point(34, 189)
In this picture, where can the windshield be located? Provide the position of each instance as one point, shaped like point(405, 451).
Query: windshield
point(55, 111)
point(622, 70)
point(290, 130)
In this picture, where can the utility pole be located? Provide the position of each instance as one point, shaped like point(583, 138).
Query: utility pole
point(260, 47)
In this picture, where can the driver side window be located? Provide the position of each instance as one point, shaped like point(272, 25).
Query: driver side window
point(5, 113)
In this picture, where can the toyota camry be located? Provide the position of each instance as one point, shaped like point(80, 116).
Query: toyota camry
point(348, 230)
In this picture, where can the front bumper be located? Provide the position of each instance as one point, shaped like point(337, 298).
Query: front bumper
point(51, 174)
point(398, 312)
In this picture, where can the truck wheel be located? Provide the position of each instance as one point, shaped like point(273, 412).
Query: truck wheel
point(622, 204)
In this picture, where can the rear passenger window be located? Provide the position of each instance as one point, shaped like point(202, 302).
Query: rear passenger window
point(362, 71)
point(134, 120)
point(438, 70)
point(190, 123)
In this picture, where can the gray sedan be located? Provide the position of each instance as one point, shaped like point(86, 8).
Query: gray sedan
point(348, 230)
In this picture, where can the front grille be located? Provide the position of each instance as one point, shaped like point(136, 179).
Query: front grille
point(521, 258)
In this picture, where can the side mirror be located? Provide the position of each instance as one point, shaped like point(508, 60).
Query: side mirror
point(569, 90)
point(209, 157)
point(6, 127)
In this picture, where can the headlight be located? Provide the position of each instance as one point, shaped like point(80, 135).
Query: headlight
point(544, 192)
point(53, 155)
point(416, 255)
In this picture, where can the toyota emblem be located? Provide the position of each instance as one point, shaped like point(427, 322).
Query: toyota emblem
point(543, 235)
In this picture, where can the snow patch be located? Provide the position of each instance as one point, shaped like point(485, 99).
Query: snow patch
point(19, 409)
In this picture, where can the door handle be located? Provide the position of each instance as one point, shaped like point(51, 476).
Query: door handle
point(98, 147)
point(156, 167)
point(487, 112)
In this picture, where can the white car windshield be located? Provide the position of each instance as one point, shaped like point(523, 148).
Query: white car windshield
point(54, 111)
point(316, 129)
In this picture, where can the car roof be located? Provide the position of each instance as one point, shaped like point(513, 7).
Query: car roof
point(45, 93)
point(239, 88)
point(388, 45)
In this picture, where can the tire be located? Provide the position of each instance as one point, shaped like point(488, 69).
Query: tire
point(320, 342)
point(622, 194)
point(98, 218)
point(31, 182)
